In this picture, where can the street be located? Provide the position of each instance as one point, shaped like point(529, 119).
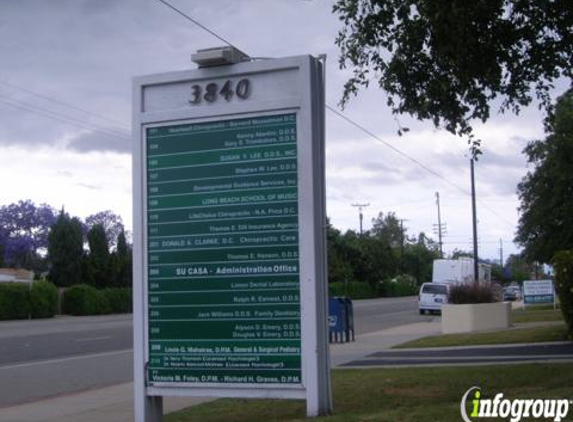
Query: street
point(378, 314)
point(44, 358)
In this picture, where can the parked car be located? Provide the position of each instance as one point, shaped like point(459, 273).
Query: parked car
point(511, 293)
point(432, 296)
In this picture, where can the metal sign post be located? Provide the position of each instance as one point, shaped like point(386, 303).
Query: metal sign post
point(230, 293)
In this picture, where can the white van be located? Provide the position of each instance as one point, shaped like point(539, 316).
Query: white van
point(432, 296)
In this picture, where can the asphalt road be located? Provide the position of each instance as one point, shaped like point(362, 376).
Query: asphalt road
point(44, 358)
point(378, 314)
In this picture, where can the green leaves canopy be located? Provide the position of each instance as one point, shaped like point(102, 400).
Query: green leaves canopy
point(546, 192)
point(446, 60)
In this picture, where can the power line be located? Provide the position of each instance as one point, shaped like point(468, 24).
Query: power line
point(418, 163)
point(197, 23)
point(54, 100)
point(57, 116)
point(352, 122)
point(393, 148)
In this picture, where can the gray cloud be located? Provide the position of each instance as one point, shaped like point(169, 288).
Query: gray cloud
point(90, 187)
point(96, 141)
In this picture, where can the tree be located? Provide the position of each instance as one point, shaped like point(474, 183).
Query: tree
point(546, 192)
point(446, 61)
point(459, 253)
point(418, 260)
point(123, 262)
point(65, 251)
point(111, 222)
point(389, 229)
point(517, 268)
point(371, 259)
point(24, 231)
point(339, 269)
point(99, 260)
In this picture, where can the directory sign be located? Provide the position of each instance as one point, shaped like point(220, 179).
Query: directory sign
point(538, 291)
point(230, 290)
point(222, 250)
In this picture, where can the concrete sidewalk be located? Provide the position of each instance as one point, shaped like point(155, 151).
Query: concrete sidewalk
point(115, 403)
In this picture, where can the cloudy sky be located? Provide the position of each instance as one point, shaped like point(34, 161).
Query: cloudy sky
point(65, 114)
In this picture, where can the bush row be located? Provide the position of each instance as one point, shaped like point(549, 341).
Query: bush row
point(40, 300)
point(82, 299)
point(468, 293)
point(397, 289)
point(361, 290)
point(353, 289)
point(22, 300)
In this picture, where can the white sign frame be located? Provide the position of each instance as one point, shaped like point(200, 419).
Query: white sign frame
point(292, 84)
point(534, 288)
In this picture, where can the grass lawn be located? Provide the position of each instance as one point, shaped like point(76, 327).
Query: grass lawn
point(510, 335)
point(398, 394)
point(534, 314)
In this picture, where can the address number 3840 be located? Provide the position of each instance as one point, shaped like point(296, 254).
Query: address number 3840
point(212, 91)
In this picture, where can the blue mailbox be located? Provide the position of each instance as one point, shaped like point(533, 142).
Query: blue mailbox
point(340, 319)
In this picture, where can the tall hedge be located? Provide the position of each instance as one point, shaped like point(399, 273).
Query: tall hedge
point(353, 289)
point(14, 301)
point(563, 265)
point(82, 299)
point(119, 299)
point(43, 299)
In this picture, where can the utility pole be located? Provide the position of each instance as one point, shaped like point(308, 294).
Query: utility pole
point(440, 227)
point(474, 220)
point(501, 253)
point(402, 243)
point(360, 206)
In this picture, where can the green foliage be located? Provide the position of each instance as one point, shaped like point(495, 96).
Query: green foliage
point(82, 299)
point(446, 61)
point(122, 262)
point(419, 258)
point(563, 264)
point(65, 250)
point(388, 229)
point(518, 268)
point(339, 269)
point(354, 290)
point(546, 220)
point(14, 301)
point(99, 261)
point(472, 293)
point(119, 299)
point(379, 254)
point(389, 288)
point(43, 299)
point(372, 258)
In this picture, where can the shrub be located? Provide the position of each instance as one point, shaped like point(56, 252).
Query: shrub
point(119, 299)
point(468, 293)
point(14, 300)
point(43, 299)
point(354, 290)
point(397, 288)
point(563, 264)
point(82, 299)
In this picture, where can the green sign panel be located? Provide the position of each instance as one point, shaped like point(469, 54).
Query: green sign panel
point(222, 252)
